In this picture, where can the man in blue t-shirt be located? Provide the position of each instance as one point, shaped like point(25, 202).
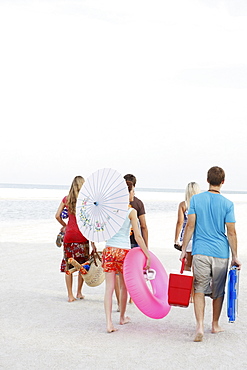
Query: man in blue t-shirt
point(209, 215)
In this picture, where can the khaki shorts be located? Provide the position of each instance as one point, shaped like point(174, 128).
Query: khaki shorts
point(210, 275)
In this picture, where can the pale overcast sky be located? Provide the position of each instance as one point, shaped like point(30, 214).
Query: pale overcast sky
point(155, 88)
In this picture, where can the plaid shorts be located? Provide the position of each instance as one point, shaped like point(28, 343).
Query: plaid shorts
point(113, 259)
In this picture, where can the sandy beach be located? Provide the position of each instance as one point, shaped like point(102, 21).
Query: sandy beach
point(41, 330)
point(155, 89)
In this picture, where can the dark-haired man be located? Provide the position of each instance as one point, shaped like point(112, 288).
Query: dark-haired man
point(138, 205)
point(209, 216)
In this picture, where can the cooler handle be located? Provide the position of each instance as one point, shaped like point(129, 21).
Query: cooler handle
point(182, 266)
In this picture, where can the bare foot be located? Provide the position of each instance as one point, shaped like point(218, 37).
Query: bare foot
point(80, 296)
point(125, 320)
point(130, 300)
point(216, 329)
point(110, 328)
point(198, 337)
point(71, 299)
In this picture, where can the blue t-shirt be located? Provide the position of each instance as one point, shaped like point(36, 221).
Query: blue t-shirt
point(212, 212)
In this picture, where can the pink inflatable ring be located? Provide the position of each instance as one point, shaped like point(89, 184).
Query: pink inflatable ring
point(153, 304)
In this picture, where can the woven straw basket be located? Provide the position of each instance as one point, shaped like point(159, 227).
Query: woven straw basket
point(95, 276)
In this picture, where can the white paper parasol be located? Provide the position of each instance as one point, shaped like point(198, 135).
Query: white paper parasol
point(102, 205)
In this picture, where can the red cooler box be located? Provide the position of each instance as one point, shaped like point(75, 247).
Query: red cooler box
point(179, 289)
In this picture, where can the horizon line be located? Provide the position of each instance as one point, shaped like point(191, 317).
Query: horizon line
point(158, 189)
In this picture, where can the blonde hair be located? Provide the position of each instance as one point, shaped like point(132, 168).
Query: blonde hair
point(73, 193)
point(191, 189)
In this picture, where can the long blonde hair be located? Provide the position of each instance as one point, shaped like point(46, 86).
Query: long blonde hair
point(73, 193)
point(191, 189)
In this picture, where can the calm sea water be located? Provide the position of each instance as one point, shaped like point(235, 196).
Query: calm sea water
point(40, 202)
point(28, 211)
